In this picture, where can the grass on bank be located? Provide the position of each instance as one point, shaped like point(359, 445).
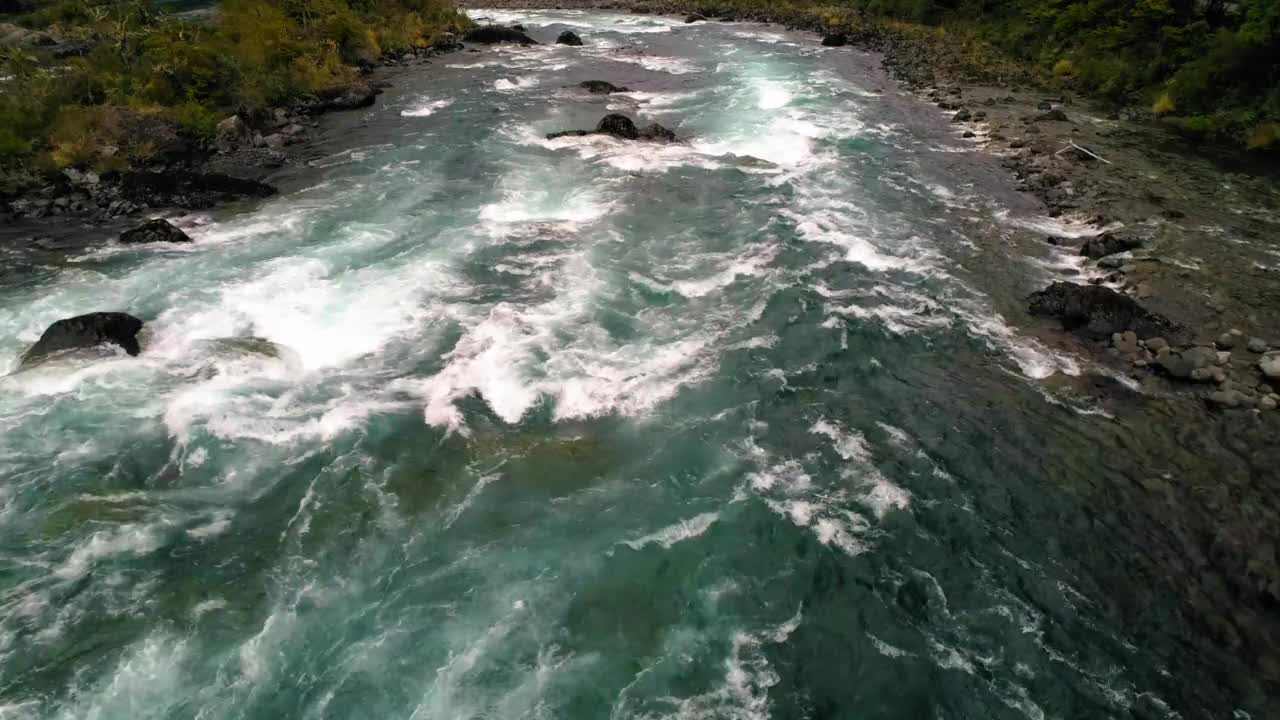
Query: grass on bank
point(152, 78)
point(1210, 67)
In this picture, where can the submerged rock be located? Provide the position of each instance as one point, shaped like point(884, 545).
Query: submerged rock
point(180, 188)
point(491, 34)
point(1095, 311)
point(622, 127)
point(1054, 115)
point(835, 40)
point(569, 37)
point(600, 87)
point(1108, 244)
point(84, 331)
point(154, 231)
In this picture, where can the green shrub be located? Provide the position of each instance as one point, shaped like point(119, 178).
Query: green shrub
point(196, 120)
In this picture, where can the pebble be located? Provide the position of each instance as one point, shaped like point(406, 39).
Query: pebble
point(1267, 403)
point(1269, 364)
point(1257, 345)
point(1157, 344)
point(1126, 342)
point(1224, 357)
point(1226, 341)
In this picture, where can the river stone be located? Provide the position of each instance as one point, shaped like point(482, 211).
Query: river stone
point(694, 18)
point(1054, 115)
point(1126, 342)
point(1269, 364)
point(85, 331)
point(1227, 398)
point(1095, 311)
point(1267, 403)
point(154, 231)
point(491, 34)
point(619, 126)
point(600, 87)
point(835, 40)
point(1225, 341)
point(1257, 345)
point(569, 37)
point(196, 191)
point(962, 116)
point(1108, 244)
point(1191, 363)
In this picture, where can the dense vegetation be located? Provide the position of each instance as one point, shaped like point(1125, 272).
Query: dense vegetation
point(1210, 66)
point(145, 72)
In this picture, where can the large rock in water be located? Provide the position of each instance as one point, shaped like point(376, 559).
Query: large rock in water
point(84, 331)
point(193, 191)
point(569, 37)
point(619, 126)
point(835, 40)
point(1096, 311)
point(1108, 244)
point(600, 87)
point(154, 231)
point(622, 127)
point(490, 34)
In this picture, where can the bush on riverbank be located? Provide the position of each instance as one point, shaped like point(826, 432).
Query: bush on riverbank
point(1211, 66)
point(139, 63)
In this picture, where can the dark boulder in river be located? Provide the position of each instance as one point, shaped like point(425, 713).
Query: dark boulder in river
point(569, 37)
point(835, 40)
point(154, 231)
point(190, 190)
point(490, 34)
point(1096, 311)
point(622, 127)
point(600, 87)
point(84, 331)
point(619, 126)
point(1108, 244)
point(694, 18)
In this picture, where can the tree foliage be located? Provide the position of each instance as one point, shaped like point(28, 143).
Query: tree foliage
point(250, 54)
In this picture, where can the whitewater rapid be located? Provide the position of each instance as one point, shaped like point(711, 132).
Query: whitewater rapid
point(470, 422)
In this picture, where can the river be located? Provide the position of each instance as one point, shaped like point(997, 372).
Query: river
point(469, 423)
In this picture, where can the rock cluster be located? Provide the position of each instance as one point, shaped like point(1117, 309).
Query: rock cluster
point(623, 128)
point(1096, 311)
point(154, 231)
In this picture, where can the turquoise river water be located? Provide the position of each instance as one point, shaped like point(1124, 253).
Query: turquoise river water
point(468, 423)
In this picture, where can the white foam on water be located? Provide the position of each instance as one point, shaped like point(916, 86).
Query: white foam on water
point(772, 95)
point(880, 494)
point(130, 539)
point(748, 678)
point(1063, 227)
point(523, 82)
point(679, 532)
point(426, 107)
point(150, 678)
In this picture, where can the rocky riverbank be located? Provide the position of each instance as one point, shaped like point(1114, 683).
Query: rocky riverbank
point(197, 174)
